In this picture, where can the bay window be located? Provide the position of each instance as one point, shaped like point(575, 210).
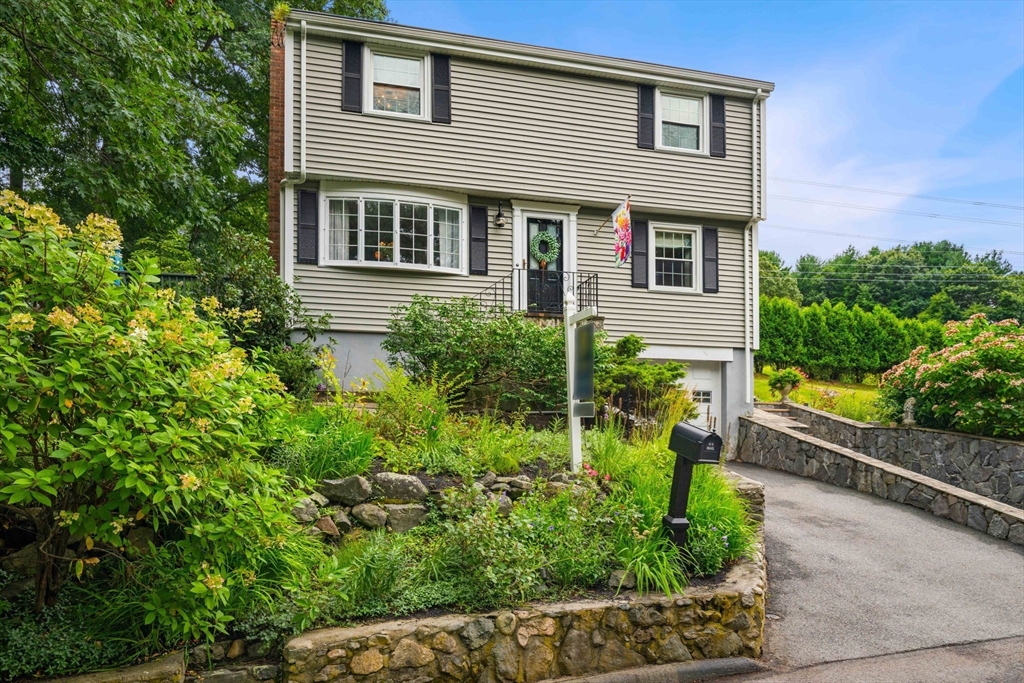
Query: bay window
point(414, 234)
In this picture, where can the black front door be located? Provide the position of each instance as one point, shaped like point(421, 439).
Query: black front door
point(544, 276)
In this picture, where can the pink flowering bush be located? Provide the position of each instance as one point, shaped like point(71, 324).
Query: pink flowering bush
point(974, 385)
point(131, 438)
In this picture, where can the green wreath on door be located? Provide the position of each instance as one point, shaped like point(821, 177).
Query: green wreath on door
point(554, 248)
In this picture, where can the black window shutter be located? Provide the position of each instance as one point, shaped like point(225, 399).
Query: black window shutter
point(717, 126)
point(639, 256)
point(352, 77)
point(442, 89)
point(307, 232)
point(645, 117)
point(478, 240)
point(710, 250)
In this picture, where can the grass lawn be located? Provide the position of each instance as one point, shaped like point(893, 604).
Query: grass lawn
point(852, 401)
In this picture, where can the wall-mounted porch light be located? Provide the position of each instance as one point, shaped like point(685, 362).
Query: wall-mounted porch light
point(499, 218)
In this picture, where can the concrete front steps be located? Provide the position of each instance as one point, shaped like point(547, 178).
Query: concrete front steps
point(778, 414)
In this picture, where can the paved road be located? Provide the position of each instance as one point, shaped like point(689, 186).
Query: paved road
point(854, 577)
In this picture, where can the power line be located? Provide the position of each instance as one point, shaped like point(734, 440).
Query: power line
point(872, 237)
point(899, 211)
point(899, 194)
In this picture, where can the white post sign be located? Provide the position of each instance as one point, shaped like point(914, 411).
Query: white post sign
point(573, 412)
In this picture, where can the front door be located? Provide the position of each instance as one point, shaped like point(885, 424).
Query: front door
point(545, 249)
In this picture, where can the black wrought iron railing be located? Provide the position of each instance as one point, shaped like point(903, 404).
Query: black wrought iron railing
point(539, 291)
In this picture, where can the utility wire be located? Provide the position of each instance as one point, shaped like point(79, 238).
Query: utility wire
point(898, 194)
point(899, 211)
point(872, 237)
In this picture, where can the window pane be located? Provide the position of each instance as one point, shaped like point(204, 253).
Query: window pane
point(396, 84)
point(412, 233)
point(396, 70)
point(673, 259)
point(683, 137)
point(379, 224)
point(343, 230)
point(680, 110)
point(447, 237)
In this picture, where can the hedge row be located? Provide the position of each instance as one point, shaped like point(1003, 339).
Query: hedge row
point(831, 341)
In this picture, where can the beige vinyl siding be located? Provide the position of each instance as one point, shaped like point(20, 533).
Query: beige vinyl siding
point(361, 299)
point(521, 133)
point(668, 318)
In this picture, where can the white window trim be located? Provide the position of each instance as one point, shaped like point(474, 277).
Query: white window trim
point(704, 139)
point(652, 257)
point(334, 191)
point(425, 83)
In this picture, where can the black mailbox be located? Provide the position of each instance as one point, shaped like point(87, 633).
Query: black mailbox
point(695, 444)
point(692, 446)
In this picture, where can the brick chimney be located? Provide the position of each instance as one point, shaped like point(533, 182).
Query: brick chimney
point(275, 146)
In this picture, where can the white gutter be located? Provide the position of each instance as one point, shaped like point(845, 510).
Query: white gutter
point(748, 238)
point(288, 184)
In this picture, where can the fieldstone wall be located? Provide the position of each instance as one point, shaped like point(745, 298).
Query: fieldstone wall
point(548, 640)
point(763, 441)
point(993, 468)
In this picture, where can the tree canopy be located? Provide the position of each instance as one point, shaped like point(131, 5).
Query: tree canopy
point(932, 280)
point(154, 113)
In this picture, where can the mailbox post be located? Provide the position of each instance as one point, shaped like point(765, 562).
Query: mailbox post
point(692, 446)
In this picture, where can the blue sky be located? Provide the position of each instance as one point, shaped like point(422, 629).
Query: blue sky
point(918, 97)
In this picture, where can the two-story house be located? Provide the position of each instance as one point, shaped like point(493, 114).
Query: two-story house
point(405, 160)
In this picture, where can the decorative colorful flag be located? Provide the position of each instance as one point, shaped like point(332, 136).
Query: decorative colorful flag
point(623, 233)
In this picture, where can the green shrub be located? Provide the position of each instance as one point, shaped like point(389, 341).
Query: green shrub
point(974, 385)
point(499, 358)
point(125, 410)
point(633, 388)
point(782, 334)
point(296, 365)
point(335, 444)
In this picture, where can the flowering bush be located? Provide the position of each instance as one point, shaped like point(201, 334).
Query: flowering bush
point(131, 433)
point(791, 376)
point(975, 384)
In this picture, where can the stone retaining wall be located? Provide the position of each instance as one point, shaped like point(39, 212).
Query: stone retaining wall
point(993, 468)
point(770, 445)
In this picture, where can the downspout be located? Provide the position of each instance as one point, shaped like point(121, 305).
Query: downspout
point(289, 183)
point(748, 275)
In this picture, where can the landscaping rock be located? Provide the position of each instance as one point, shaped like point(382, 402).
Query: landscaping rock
point(577, 656)
point(497, 488)
point(405, 517)
point(370, 515)
point(410, 654)
point(487, 480)
point(237, 649)
point(348, 491)
point(305, 511)
point(266, 672)
point(226, 676)
point(477, 632)
point(319, 499)
point(559, 478)
point(393, 486)
point(23, 561)
point(674, 651)
point(537, 661)
point(506, 660)
point(326, 525)
point(367, 662)
point(341, 521)
point(206, 655)
point(621, 580)
point(504, 506)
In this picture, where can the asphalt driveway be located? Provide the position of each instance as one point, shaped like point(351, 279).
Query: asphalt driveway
point(878, 586)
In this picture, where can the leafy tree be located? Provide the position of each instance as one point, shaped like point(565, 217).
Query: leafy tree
point(817, 342)
point(782, 334)
point(868, 343)
point(941, 308)
point(923, 333)
point(776, 279)
point(893, 345)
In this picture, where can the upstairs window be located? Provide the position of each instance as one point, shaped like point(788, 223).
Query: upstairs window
point(414, 234)
point(397, 84)
point(681, 122)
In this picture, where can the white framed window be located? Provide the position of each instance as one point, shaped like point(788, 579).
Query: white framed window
point(374, 229)
point(395, 84)
point(681, 122)
point(675, 258)
point(702, 396)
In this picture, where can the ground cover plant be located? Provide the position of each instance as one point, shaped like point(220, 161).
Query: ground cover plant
point(974, 384)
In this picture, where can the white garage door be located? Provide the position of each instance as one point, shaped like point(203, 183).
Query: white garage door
point(704, 380)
